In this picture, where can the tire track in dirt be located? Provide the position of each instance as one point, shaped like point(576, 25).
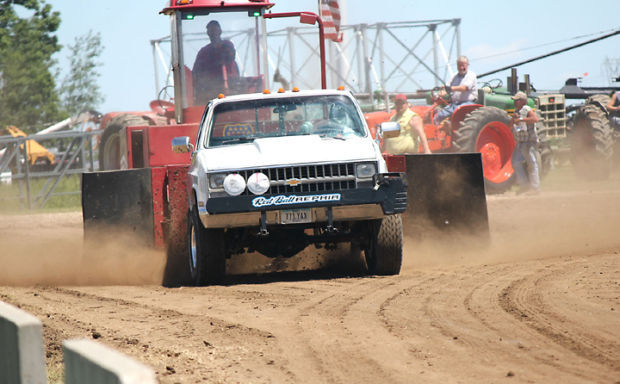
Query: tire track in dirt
point(397, 357)
point(343, 355)
point(527, 299)
point(445, 334)
point(312, 332)
point(461, 311)
point(154, 334)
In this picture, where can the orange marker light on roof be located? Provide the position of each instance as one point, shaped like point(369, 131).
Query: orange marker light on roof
point(280, 90)
point(184, 2)
point(266, 92)
point(295, 89)
point(221, 96)
point(341, 88)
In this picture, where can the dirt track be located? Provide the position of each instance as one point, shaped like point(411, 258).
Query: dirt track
point(540, 304)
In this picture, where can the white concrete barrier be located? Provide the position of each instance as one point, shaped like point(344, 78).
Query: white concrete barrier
point(21, 347)
point(87, 361)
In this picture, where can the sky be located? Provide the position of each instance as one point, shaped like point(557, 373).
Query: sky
point(493, 34)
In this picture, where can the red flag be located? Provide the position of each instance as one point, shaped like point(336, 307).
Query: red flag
point(330, 14)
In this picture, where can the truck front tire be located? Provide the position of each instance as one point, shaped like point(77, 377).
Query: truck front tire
point(384, 251)
point(206, 252)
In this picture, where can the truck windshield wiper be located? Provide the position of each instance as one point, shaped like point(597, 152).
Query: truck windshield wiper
point(332, 137)
point(238, 140)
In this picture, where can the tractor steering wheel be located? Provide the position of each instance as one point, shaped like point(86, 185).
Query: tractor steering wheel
point(493, 83)
point(440, 96)
point(329, 128)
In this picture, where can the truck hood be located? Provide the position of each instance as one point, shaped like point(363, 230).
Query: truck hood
point(291, 150)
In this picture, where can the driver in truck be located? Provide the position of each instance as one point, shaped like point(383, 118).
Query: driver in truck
point(214, 67)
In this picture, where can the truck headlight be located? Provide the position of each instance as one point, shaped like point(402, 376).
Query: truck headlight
point(216, 181)
point(234, 184)
point(365, 170)
point(258, 183)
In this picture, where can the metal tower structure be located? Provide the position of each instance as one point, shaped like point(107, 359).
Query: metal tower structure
point(373, 60)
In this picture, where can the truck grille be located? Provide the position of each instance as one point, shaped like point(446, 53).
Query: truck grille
point(308, 178)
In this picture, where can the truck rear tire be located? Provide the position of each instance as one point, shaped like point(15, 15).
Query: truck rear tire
point(487, 130)
point(206, 252)
point(592, 140)
point(113, 145)
point(384, 252)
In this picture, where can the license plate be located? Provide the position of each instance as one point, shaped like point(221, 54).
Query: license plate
point(295, 216)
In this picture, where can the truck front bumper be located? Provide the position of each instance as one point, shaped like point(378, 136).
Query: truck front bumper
point(387, 197)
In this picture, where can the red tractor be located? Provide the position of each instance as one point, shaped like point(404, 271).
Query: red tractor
point(145, 190)
point(485, 128)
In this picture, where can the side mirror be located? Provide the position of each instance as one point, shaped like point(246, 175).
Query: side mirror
point(389, 129)
point(181, 144)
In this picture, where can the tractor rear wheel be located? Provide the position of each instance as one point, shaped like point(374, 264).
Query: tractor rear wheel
point(592, 140)
point(384, 251)
point(487, 130)
point(113, 145)
point(206, 252)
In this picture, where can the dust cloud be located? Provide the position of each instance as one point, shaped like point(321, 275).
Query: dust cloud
point(48, 250)
point(554, 224)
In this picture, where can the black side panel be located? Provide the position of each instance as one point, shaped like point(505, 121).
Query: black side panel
point(447, 190)
point(118, 202)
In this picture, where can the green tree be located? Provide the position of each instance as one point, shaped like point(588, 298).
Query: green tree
point(28, 95)
point(79, 90)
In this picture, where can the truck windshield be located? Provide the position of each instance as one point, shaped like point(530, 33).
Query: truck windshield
point(243, 121)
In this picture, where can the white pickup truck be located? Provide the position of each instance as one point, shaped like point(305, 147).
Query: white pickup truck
point(277, 172)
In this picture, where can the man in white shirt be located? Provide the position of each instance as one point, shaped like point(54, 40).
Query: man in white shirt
point(463, 87)
point(525, 156)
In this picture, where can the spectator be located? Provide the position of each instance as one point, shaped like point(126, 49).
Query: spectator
point(463, 88)
point(214, 66)
point(525, 156)
point(614, 110)
point(411, 130)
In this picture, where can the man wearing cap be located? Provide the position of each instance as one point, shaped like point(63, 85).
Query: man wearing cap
point(411, 130)
point(463, 88)
point(525, 156)
point(214, 66)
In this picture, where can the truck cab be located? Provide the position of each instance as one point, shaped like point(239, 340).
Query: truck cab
point(276, 172)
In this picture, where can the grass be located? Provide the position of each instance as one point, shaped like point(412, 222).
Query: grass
point(13, 197)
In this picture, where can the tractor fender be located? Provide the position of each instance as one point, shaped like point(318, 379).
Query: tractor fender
point(461, 113)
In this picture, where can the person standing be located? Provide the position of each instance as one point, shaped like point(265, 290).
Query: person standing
point(411, 130)
point(614, 108)
point(525, 156)
point(463, 87)
point(214, 66)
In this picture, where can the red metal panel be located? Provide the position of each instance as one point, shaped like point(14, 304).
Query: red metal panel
point(158, 185)
point(192, 115)
point(177, 205)
point(159, 144)
point(215, 5)
point(395, 163)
